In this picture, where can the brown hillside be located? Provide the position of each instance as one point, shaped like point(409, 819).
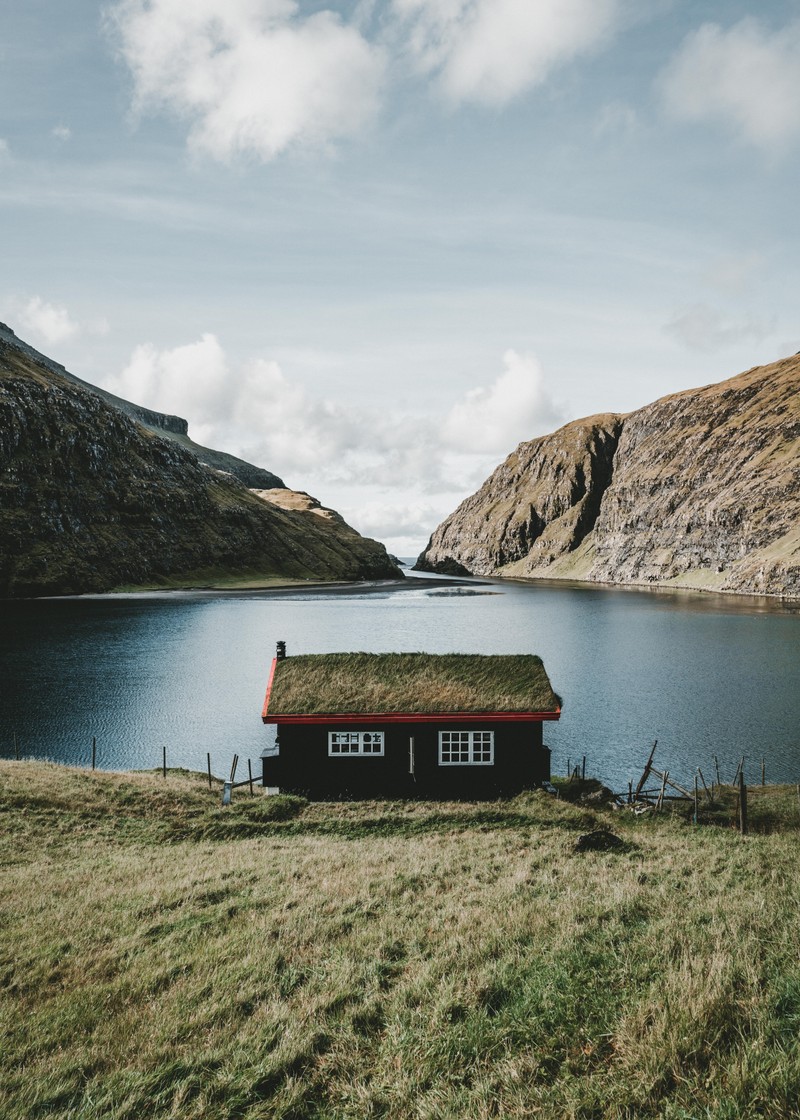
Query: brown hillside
point(699, 489)
point(91, 500)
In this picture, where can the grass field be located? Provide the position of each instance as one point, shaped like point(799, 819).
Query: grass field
point(162, 957)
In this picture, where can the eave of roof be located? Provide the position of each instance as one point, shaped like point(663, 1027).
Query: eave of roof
point(416, 717)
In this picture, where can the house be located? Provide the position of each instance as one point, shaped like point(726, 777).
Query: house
point(354, 725)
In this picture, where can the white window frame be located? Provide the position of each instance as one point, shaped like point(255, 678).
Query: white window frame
point(473, 748)
point(357, 744)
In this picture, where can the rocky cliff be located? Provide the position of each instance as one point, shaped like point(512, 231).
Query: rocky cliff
point(174, 427)
point(93, 499)
point(700, 489)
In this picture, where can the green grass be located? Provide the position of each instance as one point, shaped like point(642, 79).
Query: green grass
point(411, 682)
point(162, 957)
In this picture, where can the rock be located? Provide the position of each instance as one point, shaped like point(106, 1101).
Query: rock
point(601, 840)
point(699, 490)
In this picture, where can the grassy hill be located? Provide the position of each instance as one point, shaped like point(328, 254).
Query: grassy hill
point(163, 957)
point(91, 500)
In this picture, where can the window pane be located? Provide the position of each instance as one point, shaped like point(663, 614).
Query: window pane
point(466, 748)
point(355, 742)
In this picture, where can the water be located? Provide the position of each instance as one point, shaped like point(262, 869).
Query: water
point(702, 674)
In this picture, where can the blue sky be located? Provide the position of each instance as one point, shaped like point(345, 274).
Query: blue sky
point(372, 246)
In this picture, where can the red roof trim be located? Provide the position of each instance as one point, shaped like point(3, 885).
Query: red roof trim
point(412, 717)
point(269, 689)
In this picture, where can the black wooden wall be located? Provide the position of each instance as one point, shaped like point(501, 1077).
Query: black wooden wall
point(304, 766)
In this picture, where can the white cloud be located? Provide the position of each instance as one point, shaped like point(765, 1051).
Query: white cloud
point(703, 328)
point(495, 419)
point(255, 410)
point(61, 132)
point(48, 322)
point(746, 78)
point(5, 151)
point(410, 520)
point(491, 51)
point(250, 76)
point(195, 377)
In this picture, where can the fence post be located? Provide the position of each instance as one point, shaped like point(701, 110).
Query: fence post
point(695, 799)
point(763, 771)
point(164, 761)
point(208, 757)
point(742, 804)
point(583, 768)
point(228, 786)
point(702, 779)
point(660, 802)
point(250, 776)
point(16, 747)
point(94, 751)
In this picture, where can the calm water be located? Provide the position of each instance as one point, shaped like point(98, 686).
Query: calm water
point(702, 674)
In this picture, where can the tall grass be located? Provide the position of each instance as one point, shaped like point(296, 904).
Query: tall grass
point(162, 957)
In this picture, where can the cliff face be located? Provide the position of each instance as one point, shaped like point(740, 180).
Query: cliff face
point(700, 489)
point(537, 506)
point(160, 423)
point(91, 500)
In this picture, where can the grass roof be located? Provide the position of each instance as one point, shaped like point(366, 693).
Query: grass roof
point(375, 683)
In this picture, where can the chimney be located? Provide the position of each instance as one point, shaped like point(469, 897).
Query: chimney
point(280, 651)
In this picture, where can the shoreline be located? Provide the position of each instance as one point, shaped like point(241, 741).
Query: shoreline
point(417, 580)
point(772, 597)
point(266, 588)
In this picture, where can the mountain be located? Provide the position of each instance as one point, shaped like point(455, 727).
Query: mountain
point(159, 423)
point(97, 493)
point(700, 489)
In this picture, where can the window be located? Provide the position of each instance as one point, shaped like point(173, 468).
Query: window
point(466, 748)
point(355, 742)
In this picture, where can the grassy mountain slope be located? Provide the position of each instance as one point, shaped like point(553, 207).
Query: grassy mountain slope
point(699, 489)
point(163, 957)
point(90, 500)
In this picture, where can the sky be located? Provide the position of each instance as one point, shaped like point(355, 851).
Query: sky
point(372, 246)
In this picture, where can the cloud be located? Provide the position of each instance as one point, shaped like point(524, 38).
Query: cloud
point(703, 328)
point(745, 78)
point(61, 133)
point(495, 419)
point(5, 151)
point(250, 76)
point(404, 520)
point(255, 410)
point(48, 322)
point(491, 51)
point(193, 377)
